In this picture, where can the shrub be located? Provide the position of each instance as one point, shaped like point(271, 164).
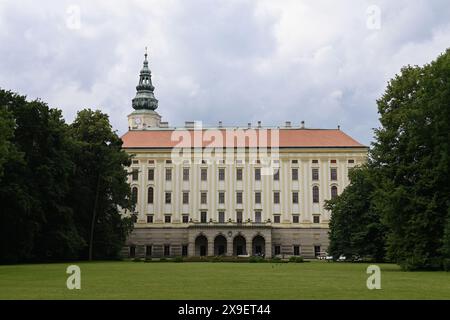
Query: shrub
point(178, 259)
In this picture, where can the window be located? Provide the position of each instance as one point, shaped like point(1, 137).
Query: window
point(135, 174)
point(239, 197)
point(350, 161)
point(239, 216)
point(315, 174)
point(150, 218)
point(221, 174)
point(276, 175)
point(185, 197)
point(296, 250)
point(316, 250)
point(166, 250)
point(203, 217)
point(294, 161)
point(257, 216)
point(184, 250)
point(333, 161)
point(258, 174)
point(294, 174)
point(296, 218)
point(204, 174)
point(167, 218)
point(150, 195)
point(315, 161)
point(169, 161)
point(151, 174)
point(185, 218)
point(333, 174)
point(148, 251)
point(221, 197)
point(295, 197)
point(135, 162)
point(221, 217)
point(134, 195)
point(203, 198)
point(168, 174)
point(185, 174)
point(316, 219)
point(239, 174)
point(258, 197)
point(151, 161)
point(276, 218)
point(168, 198)
point(277, 250)
point(276, 197)
point(334, 192)
point(132, 251)
point(315, 192)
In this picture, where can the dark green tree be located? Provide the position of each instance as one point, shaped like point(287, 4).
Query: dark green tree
point(411, 152)
point(355, 225)
point(100, 185)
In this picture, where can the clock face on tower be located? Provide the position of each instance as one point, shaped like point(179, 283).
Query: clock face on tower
point(137, 120)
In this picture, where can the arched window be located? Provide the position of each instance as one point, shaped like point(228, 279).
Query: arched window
point(315, 191)
point(134, 195)
point(150, 195)
point(334, 192)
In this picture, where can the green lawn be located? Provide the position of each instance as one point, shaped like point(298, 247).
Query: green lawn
point(139, 280)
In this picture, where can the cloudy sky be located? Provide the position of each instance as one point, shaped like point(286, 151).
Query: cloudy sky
point(239, 61)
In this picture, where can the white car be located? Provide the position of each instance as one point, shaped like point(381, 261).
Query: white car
point(341, 258)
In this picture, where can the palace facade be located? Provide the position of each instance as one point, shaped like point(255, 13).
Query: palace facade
point(231, 191)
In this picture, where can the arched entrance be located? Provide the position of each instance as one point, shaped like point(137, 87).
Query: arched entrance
point(259, 246)
point(220, 245)
point(239, 245)
point(201, 246)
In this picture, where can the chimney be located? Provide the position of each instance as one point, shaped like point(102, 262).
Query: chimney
point(220, 124)
point(189, 124)
point(302, 125)
point(339, 127)
point(164, 124)
point(249, 125)
point(259, 124)
point(288, 124)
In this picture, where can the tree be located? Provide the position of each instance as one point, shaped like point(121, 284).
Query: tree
point(100, 187)
point(411, 152)
point(355, 225)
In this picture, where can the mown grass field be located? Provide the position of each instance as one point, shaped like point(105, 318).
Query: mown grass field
point(139, 280)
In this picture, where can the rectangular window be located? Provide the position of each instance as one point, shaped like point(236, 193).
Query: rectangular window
point(185, 174)
point(151, 174)
point(221, 174)
point(277, 250)
point(203, 198)
point(221, 197)
point(258, 174)
point(276, 175)
point(132, 251)
point(185, 218)
point(166, 250)
point(316, 219)
point(333, 174)
point(239, 216)
point(150, 218)
point(294, 161)
point(168, 174)
point(276, 197)
point(295, 218)
point(221, 217)
point(168, 198)
point(204, 174)
point(135, 174)
point(315, 161)
point(258, 197)
point(184, 250)
point(315, 192)
point(239, 197)
point(294, 174)
point(203, 217)
point(296, 250)
point(316, 251)
point(276, 218)
point(167, 218)
point(169, 161)
point(135, 161)
point(185, 197)
point(315, 174)
point(239, 174)
point(295, 197)
point(151, 161)
point(258, 216)
point(333, 161)
point(351, 161)
point(148, 251)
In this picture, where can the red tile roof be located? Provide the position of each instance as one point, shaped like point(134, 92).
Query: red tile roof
point(169, 138)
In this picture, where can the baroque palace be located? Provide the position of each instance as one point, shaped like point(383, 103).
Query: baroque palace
point(231, 191)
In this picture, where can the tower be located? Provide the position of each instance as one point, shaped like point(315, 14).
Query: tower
point(144, 103)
